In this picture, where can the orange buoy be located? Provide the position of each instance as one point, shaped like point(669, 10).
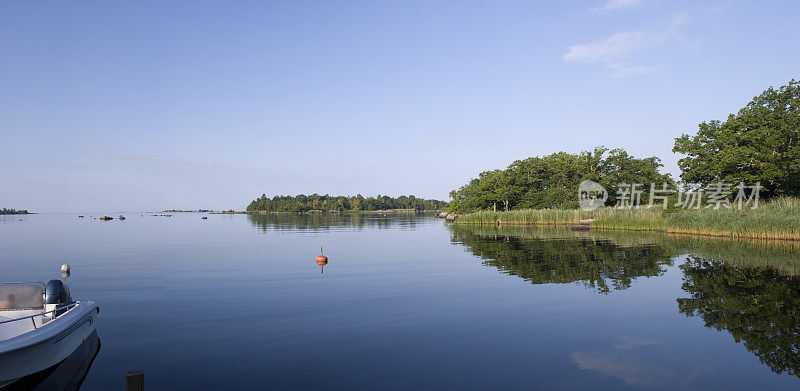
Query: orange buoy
point(322, 260)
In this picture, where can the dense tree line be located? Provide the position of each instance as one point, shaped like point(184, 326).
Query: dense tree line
point(552, 181)
point(761, 143)
point(316, 202)
point(5, 211)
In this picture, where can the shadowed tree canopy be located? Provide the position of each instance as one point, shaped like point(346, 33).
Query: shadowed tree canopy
point(759, 307)
point(552, 181)
point(761, 143)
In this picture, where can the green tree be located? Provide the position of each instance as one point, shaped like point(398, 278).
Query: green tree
point(552, 181)
point(761, 143)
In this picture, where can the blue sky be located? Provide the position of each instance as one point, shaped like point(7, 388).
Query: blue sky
point(125, 106)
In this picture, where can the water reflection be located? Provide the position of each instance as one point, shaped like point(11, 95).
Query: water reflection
point(66, 375)
point(759, 307)
point(328, 221)
point(554, 256)
point(781, 256)
point(748, 289)
point(630, 359)
point(403, 308)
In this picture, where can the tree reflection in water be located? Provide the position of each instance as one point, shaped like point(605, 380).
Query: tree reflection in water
point(752, 296)
point(332, 221)
point(759, 307)
point(599, 264)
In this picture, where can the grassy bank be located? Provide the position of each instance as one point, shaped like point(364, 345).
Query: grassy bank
point(777, 219)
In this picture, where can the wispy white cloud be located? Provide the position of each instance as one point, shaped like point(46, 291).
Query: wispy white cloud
point(614, 51)
point(618, 4)
point(613, 48)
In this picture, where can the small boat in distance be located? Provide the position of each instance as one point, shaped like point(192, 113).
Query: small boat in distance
point(40, 326)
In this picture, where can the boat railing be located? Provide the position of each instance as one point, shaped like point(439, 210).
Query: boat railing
point(31, 317)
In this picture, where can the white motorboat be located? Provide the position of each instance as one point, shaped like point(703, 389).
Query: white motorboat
point(40, 326)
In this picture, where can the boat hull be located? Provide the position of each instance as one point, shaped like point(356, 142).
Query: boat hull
point(48, 345)
point(67, 375)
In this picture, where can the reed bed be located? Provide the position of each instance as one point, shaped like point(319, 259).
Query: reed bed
point(526, 217)
point(778, 219)
point(635, 219)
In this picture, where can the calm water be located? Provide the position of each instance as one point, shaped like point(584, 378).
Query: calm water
point(237, 302)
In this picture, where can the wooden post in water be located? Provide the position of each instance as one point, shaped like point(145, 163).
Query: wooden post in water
point(134, 380)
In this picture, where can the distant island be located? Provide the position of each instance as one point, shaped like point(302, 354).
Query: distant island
point(229, 211)
point(5, 211)
point(187, 211)
point(327, 203)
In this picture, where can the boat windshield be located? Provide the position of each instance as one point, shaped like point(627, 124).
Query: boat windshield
point(21, 296)
point(20, 300)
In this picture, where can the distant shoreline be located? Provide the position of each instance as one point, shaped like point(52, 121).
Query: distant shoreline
point(5, 211)
point(188, 211)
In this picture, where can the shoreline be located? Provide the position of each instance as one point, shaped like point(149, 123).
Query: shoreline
point(666, 231)
point(774, 220)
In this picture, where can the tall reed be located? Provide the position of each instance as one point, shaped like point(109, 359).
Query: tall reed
point(776, 219)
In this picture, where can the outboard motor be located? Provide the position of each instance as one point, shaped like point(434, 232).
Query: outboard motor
point(56, 294)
